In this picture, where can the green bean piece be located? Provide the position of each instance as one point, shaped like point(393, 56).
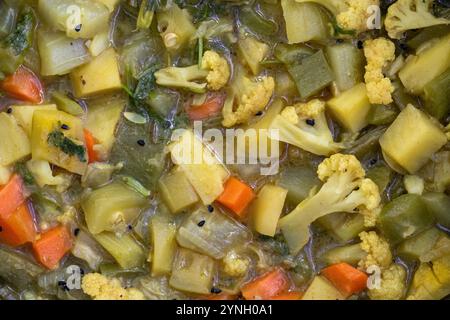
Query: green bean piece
point(438, 205)
point(437, 96)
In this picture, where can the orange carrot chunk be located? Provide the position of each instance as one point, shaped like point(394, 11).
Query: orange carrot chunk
point(292, 295)
point(236, 196)
point(11, 196)
point(209, 108)
point(23, 85)
point(267, 286)
point(18, 228)
point(90, 143)
point(346, 278)
point(52, 245)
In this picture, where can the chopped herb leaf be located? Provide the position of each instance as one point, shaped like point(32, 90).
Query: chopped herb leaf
point(57, 139)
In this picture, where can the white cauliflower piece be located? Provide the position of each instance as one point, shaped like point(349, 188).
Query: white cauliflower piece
point(379, 52)
point(100, 287)
point(214, 74)
point(235, 265)
point(219, 70)
point(247, 97)
point(352, 15)
point(344, 190)
point(405, 15)
point(377, 249)
point(392, 286)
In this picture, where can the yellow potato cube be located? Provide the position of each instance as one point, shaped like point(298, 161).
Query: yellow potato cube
point(322, 289)
point(351, 108)
point(70, 153)
point(411, 139)
point(14, 143)
point(98, 76)
point(177, 192)
point(24, 115)
point(102, 119)
point(164, 245)
point(267, 209)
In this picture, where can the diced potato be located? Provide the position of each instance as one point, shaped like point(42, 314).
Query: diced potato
point(47, 122)
point(421, 69)
point(351, 108)
point(428, 281)
point(192, 272)
point(322, 289)
point(124, 249)
point(62, 15)
point(164, 245)
point(411, 140)
point(14, 143)
point(98, 76)
point(267, 209)
point(112, 207)
point(24, 115)
point(253, 51)
point(201, 167)
point(177, 192)
point(102, 119)
point(59, 53)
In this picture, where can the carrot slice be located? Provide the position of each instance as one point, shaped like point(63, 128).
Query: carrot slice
point(267, 286)
point(292, 295)
point(18, 228)
point(90, 143)
point(346, 278)
point(11, 196)
point(23, 85)
point(236, 196)
point(209, 108)
point(51, 246)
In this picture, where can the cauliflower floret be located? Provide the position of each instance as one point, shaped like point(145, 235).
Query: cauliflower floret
point(214, 73)
point(344, 190)
point(405, 15)
point(42, 173)
point(392, 286)
point(305, 126)
point(247, 97)
point(290, 114)
point(219, 71)
point(357, 15)
point(379, 52)
point(377, 248)
point(101, 288)
point(235, 265)
point(350, 14)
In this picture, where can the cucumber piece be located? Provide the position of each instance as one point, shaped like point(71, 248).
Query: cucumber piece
point(347, 63)
point(436, 95)
point(404, 217)
point(311, 75)
point(350, 254)
point(415, 247)
point(125, 249)
point(298, 181)
point(438, 205)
